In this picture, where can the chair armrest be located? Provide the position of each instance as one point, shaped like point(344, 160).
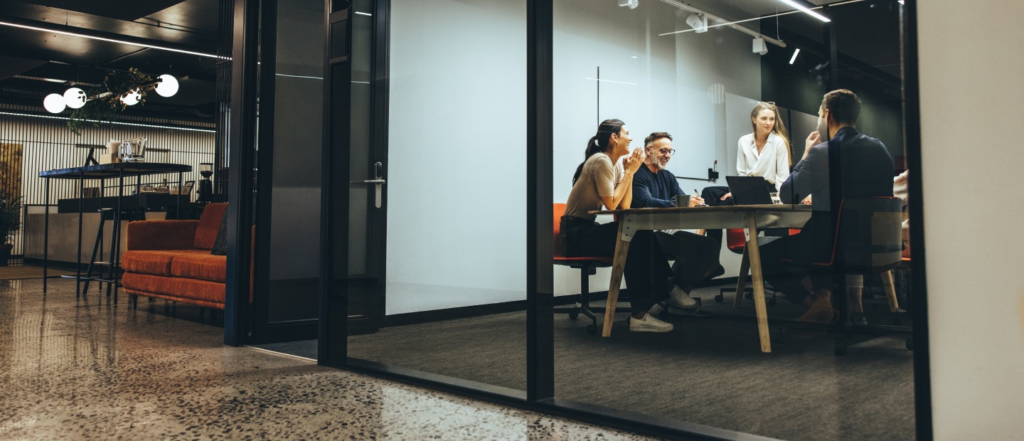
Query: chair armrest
point(162, 234)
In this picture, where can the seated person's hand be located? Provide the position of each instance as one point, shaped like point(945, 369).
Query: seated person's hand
point(725, 196)
point(634, 161)
point(696, 200)
point(807, 200)
point(812, 140)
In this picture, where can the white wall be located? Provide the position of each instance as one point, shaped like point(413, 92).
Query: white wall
point(971, 96)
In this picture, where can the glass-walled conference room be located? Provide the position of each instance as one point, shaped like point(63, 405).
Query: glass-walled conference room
point(688, 216)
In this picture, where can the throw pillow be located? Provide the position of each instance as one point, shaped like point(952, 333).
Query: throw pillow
point(220, 245)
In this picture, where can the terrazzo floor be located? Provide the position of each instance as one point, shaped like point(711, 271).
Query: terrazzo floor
point(86, 369)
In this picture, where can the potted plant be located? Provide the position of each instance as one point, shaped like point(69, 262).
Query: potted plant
point(10, 220)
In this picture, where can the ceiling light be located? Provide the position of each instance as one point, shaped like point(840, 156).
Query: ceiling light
point(75, 98)
point(631, 3)
point(110, 40)
point(168, 86)
point(54, 103)
point(698, 23)
point(760, 47)
point(131, 98)
point(795, 53)
point(804, 9)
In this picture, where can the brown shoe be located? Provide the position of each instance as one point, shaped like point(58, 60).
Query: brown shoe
point(821, 311)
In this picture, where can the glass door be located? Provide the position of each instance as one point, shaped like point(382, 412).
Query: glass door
point(355, 165)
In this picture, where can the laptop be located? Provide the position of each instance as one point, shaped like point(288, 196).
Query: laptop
point(749, 190)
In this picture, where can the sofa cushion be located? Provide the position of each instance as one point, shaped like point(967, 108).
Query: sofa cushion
point(209, 223)
point(148, 262)
point(200, 265)
point(199, 292)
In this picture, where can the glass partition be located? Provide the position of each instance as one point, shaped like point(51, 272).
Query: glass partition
point(441, 203)
point(773, 302)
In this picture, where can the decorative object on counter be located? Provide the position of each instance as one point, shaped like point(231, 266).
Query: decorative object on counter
point(110, 155)
point(205, 185)
point(155, 189)
point(10, 222)
point(133, 150)
point(103, 103)
point(185, 189)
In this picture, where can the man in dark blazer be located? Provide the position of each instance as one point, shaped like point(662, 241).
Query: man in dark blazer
point(866, 170)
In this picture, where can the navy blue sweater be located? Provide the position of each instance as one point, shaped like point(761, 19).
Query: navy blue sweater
point(654, 190)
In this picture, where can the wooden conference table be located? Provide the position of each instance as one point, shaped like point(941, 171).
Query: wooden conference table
point(752, 218)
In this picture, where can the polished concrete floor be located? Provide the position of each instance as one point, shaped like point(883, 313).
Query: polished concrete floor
point(86, 369)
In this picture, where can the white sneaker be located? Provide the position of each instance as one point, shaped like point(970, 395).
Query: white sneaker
point(649, 324)
point(679, 299)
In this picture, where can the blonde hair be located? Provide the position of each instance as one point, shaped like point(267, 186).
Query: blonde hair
point(779, 128)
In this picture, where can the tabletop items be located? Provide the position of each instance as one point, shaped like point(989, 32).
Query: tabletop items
point(130, 150)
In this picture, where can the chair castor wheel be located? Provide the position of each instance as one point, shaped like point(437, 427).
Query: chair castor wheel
point(719, 298)
point(910, 344)
point(574, 315)
point(771, 302)
point(591, 329)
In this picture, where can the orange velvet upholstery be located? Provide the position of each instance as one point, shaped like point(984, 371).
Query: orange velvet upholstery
point(171, 260)
point(198, 292)
point(161, 235)
point(148, 262)
point(209, 224)
point(201, 266)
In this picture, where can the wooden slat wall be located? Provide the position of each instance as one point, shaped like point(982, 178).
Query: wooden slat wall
point(48, 144)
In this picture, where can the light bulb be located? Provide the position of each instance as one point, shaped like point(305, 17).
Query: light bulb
point(54, 103)
point(168, 86)
point(74, 98)
point(131, 98)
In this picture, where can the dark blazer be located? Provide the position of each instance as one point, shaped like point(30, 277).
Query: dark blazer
point(867, 171)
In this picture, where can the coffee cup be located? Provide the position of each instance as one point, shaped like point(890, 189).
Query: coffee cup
point(683, 200)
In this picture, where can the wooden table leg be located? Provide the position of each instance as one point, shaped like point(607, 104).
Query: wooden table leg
point(757, 278)
point(890, 291)
point(618, 265)
point(741, 280)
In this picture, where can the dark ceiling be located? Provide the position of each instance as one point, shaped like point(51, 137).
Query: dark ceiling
point(28, 55)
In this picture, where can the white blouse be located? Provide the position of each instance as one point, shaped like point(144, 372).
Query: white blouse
point(772, 163)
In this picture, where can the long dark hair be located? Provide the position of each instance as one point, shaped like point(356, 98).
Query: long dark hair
point(599, 143)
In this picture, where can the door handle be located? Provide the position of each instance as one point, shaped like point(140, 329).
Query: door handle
point(378, 181)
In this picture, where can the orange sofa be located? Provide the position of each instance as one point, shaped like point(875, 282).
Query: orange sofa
point(171, 260)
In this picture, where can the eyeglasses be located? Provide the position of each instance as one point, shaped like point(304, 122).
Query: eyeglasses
point(667, 151)
point(767, 103)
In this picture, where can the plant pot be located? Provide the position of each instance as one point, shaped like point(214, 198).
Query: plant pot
point(5, 253)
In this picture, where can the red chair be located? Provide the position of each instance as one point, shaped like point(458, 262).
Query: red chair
point(587, 267)
point(736, 241)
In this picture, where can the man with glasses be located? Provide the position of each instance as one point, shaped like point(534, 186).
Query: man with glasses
point(696, 257)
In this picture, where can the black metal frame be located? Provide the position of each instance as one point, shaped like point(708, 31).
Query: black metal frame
point(539, 394)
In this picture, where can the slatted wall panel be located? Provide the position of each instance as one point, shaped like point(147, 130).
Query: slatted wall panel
point(47, 144)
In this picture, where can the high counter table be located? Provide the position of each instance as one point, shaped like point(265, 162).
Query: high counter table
point(102, 172)
point(749, 217)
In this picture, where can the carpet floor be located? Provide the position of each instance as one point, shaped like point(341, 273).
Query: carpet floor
point(707, 371)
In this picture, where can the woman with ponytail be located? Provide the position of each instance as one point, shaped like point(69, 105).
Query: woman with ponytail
point(603, 181)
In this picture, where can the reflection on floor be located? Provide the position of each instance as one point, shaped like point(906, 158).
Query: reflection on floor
point(707, 371)
point(91, 370)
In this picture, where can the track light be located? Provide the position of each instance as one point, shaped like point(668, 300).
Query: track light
point(54, 103)
point(760, 47)
point(795, 53)
point(699, 23)
point(631, 3)
point(74, 98)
